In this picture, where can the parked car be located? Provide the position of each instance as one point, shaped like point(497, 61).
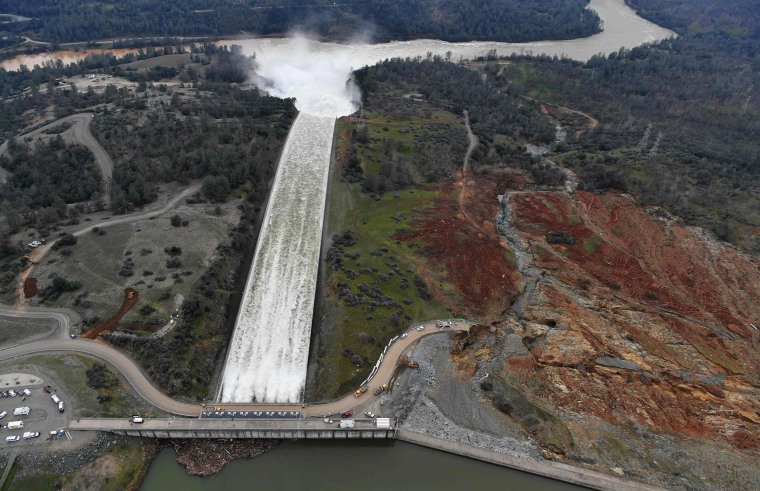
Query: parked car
point(60, 407)
point(48, 389)
point(3, 414)
point(27, 392)
point(346, 414)
point(404, 335)
point(13, 438)
point(369, 414)
point(12, 393)
point(31, 434)
point(137, 419)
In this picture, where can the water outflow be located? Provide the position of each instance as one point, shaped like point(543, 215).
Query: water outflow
point(268, 354)
point(267, 359)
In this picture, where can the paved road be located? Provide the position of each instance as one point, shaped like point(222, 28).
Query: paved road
point(144, 387)
point(83, 135)
point(63, 319)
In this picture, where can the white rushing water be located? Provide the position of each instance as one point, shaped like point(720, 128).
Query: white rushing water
point(267, 359)
point(267, 356)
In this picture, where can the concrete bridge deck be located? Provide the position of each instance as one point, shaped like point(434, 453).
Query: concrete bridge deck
point(236, 428)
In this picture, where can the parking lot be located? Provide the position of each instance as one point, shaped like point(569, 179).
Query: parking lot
point(43, 416)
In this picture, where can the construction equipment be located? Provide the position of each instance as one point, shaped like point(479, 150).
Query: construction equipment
point(381, 389)
point(412, 364)
point(31, 259)
point(360, 391)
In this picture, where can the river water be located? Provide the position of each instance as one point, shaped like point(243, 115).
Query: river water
point(357, 465)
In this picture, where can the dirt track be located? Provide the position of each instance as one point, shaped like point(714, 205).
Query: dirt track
point(81, 133)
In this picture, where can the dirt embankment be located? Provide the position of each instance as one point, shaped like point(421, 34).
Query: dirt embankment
point(466, 250)
point(131, 297)
point(638, 320)
point(644, 320)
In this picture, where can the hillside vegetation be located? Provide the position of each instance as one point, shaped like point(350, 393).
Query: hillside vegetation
point(499, 20)
point(678, 121)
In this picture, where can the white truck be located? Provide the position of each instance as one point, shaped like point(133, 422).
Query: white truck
point(346, 423)
point(21, 411)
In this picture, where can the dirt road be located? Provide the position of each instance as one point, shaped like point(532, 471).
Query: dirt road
point(82, 134)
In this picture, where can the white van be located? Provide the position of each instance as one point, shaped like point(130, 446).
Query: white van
point(55, 398)
point(60, 407)
point(15, 425)
point(137, 419)
point(21, 411)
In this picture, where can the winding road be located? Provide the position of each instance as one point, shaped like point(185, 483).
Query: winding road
point(62, 343)
point(83, 135)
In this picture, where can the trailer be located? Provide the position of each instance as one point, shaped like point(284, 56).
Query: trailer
point(21, 411)
point(346, 423)
point(383, 423)
point(15, 425)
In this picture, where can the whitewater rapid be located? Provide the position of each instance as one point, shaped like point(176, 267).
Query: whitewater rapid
point(267, 358)
point(268, 354)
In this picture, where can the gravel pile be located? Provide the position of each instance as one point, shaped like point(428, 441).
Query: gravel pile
point(427, 418)
point(436, 401)
point(60, 462)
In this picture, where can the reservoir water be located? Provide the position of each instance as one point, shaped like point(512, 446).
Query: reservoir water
point(358, 465)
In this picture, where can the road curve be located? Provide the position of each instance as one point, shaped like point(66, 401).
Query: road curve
point(42, 250)
point(83, 135)
point(61, 318)
point(120, 361)
point(140, 382)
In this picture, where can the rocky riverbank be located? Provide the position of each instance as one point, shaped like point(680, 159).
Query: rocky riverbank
point(207, 457)
point(64, 462)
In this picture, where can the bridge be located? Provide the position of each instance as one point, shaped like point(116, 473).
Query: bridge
point(285, 428)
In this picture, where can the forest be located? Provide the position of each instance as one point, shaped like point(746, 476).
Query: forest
point(59, 21)
point(502, 122)
point(700, 158)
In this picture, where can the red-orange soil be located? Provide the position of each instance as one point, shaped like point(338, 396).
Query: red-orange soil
point(131, 297)
point(465, 249)
point(30, 287)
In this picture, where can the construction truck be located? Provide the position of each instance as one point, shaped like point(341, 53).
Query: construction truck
point(360, 391)
point(381, 389)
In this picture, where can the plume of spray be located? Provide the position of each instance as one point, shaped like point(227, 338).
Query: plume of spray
point(320, 81)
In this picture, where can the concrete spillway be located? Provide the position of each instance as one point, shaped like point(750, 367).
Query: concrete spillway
point(268, 354)
point(267, 359)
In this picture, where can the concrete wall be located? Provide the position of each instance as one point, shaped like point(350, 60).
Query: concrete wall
point(546, 468)
point(264, 434)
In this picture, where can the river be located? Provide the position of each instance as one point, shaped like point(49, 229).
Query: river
point(357, 465)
